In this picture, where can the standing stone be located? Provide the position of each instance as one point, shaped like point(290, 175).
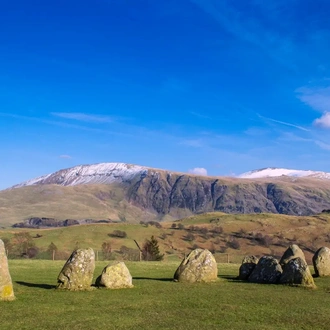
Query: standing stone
point(6, 286)
point(321, 262)
point(292, 252)
point(296, 272)
point(268, 270)
point(115, 276)
point(77, 273)
point(198, 266)
point(247, 267)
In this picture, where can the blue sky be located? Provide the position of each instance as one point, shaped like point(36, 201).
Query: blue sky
point(206, 86)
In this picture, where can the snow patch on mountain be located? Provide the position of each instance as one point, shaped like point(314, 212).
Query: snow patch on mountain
point(103, 173)
point(276, 172)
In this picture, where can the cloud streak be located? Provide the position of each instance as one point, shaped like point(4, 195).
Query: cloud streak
point(83, 117)
point(285, 123)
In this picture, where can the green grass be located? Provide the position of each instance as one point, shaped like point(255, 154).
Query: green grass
point(156, 302)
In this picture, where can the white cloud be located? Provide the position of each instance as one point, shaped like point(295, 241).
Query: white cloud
point(198, 171)
point(65, 156)
point(324, 121)
point(83, 117)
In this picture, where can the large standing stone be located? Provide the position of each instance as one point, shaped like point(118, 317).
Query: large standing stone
point(268, 270)
point(77, 273)
point(247, 267)
point(321, 262)
point(115, 276)
point(6, 285)
point(296, 272)
point(198, 266)
point(292, 252)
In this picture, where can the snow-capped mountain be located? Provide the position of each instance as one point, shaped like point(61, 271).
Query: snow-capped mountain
point(276, 172)
point(104, 173)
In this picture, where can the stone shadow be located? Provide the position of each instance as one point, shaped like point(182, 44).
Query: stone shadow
point(36, 285)
point(231, 278)
point(164, 279)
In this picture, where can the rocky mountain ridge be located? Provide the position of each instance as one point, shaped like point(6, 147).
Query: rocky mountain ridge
point(128, 192)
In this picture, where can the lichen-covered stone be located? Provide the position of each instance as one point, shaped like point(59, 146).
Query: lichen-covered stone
point(292, 252)
point(296, 272)
point(77, 273)
point(6, 286)
point(321, 262)
point(115, 276)
point(198, 266)
point(268, 270)
point(247, 267)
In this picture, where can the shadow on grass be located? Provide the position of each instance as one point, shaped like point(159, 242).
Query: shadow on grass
point(231, 278)
point(36, 285)
point(154, 279)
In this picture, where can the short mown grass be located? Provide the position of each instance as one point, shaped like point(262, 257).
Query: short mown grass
point(156, 302)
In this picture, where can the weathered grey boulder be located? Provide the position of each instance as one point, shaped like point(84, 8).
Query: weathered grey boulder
point(77, 273)
point(296, 272)
point(268, 270)
point(321, 262)
point(247, 267)
point(198, 266)
point(292, 252)
point(6, 285)
point(115, 276)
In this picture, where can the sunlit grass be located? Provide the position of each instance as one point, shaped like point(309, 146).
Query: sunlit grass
point(156, 302)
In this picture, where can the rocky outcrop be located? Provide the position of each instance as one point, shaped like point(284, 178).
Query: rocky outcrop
point(321, 262)
point(292, 252)
point(198, 266)
point(166, 192)
point(77, 273)
point(296, 272)
point(115, 276)
point(268, 271)
point(247, 267)
point(6, 285)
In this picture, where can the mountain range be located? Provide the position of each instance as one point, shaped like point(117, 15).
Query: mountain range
point(125, 192)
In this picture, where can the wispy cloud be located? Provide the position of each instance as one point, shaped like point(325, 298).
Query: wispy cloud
point(317, 98)
point(196, 143)
point(199, 115)
point(198, 171)
point(323, 145)
point(252, 29)
point(83, 117)
point(284, 123)
point(65, 157)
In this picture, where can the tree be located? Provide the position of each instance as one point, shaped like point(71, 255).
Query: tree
point(150, 250)
point(106, 250)
point(52, 247)
point(23, 241)
point(51, 250)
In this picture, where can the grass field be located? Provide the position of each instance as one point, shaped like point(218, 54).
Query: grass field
point(156, 302)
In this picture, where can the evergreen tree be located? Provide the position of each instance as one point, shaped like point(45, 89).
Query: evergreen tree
point(150, 250)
